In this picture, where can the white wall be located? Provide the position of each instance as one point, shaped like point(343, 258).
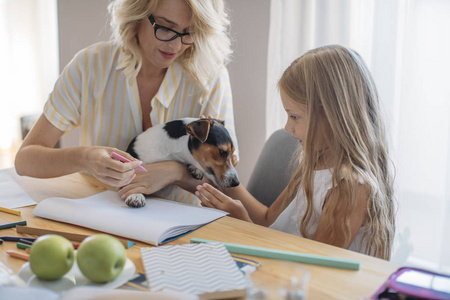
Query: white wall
point(84, 22)
point(80, 24)
point(248, 74)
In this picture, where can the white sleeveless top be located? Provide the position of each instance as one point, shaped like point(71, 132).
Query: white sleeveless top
point(289, 219)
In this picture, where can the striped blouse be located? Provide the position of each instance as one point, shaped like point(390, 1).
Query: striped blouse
point(94, 93)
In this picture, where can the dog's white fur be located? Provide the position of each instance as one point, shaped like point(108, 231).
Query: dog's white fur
point(155, 145)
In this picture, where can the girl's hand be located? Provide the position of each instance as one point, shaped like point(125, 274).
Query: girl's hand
point(158, 176)
point(211, 197)
point(98, 162)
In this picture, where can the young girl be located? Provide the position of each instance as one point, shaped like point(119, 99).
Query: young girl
point(341, 192)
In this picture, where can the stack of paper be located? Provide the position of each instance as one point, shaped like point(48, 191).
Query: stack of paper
point(13, 196)
point(207, 270)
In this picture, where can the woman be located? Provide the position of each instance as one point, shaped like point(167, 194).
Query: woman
point(165, 61)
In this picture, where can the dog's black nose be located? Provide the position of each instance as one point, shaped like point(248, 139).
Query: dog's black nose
point(234, 182)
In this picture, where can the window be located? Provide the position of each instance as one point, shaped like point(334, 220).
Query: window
point(29, 60)
point(405, 44)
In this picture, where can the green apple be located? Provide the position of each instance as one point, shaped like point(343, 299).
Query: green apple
point(101, 257)
point(51, 256)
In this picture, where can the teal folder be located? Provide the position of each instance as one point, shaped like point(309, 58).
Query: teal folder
point(288, 255)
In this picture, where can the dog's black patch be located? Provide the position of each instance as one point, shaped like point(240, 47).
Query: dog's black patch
point(175, 129)
point(211, 171)
point(130, 149)
point(218, 135)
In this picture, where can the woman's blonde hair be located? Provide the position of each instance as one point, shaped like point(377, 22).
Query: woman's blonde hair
point(334, 81)
point(210, 27)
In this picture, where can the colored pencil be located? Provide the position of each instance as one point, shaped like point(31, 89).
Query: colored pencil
point(15, 254)
point(21, 245)
point(124, 159)
point(10, 238)
point(10, 211)
point(25, 241)
point(13, 224)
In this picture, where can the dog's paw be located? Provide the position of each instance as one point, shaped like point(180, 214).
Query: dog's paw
point(196, 173)
point(135, 200)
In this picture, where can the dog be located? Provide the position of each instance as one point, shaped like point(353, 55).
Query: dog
point(204, 145)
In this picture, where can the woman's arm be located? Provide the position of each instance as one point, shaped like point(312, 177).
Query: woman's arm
point(158, 176)
point(37, 157)
point(356, 219)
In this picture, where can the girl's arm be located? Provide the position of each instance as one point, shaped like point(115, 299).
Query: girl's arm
point(37, 157)
point(246, 208)
point(356, 219)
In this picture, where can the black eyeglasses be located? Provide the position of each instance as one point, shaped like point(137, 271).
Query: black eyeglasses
point(165, 34)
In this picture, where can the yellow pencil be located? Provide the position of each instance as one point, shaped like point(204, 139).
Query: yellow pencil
point(10, 211)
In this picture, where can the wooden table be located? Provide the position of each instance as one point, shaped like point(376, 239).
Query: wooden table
point(325, 282)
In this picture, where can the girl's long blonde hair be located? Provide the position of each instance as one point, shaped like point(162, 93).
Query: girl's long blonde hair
point(210, 27)
point(335, 81)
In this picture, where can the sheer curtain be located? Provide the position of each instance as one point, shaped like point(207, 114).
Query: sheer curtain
point(405, 43)
point(28, 60)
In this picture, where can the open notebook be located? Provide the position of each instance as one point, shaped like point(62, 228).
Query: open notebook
point(158, 222)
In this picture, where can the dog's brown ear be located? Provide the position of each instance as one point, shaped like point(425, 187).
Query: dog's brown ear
point(199, 129)
point(234, 159)
point(220, 121)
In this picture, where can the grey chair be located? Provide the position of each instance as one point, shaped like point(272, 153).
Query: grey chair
point(273, 167)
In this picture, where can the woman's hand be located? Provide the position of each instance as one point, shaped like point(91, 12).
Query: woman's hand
point(38, 157)
point(158, 176)
point(98, 162)
point(211, 197)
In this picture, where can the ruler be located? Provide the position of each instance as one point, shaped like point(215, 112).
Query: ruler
point(70, 236)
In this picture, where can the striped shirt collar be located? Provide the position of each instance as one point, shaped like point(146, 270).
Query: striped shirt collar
point(121, 60)
point(170, 84)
